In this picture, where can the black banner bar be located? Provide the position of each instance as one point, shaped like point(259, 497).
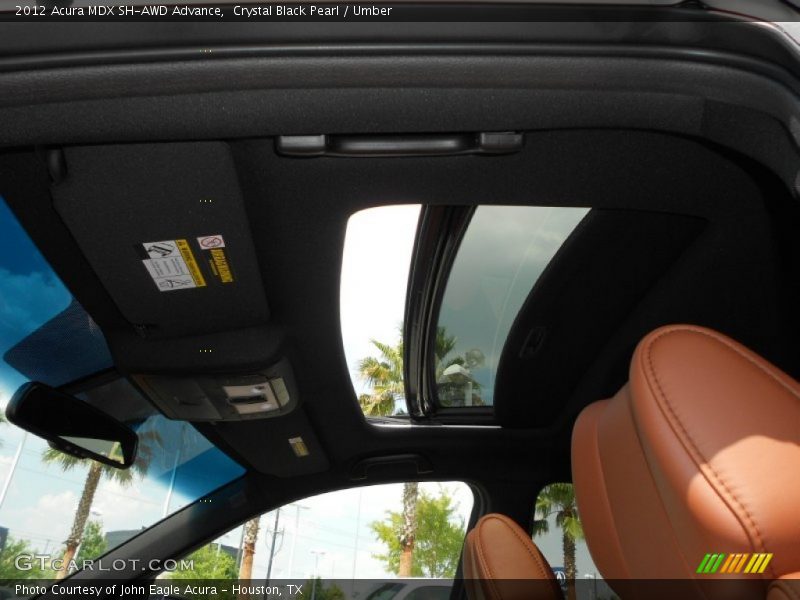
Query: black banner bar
point(350, 12)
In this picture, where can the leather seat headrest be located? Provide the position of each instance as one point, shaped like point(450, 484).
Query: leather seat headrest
point(501, 562)
point(698, 453)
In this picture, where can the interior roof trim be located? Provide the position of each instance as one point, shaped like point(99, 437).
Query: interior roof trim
point(69, 105)
point(216, 52)
point(334, 66)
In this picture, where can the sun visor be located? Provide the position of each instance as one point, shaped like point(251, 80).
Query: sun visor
point(164, 228)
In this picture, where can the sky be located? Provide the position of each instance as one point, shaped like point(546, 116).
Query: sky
point(40, 501)
point(375, 265)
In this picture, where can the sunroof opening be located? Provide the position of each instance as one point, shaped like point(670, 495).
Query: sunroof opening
point(375, 266)
point(502, 254)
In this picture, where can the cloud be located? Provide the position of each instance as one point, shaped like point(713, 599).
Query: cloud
point(375, 265)
point(56, 503)
point(131, 507)
point(46, 523)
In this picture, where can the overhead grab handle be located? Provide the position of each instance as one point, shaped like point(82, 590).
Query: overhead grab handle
point(363, 146)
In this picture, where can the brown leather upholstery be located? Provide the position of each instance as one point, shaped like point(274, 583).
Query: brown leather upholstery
point(787, 587)
point(699, 452)
point(501, 562)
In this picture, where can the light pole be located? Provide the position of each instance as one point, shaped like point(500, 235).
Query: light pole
point(358, 525)
point(317, 554)
point(13, 468)
point(239, 553)
point(168, 498)
point(272, 546)
point(593, 577)
point(298, 508)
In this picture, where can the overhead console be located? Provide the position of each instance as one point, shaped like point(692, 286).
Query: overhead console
point(268, 393)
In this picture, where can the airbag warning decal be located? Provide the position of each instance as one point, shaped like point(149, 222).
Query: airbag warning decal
point(214, 247)
point(172, 265)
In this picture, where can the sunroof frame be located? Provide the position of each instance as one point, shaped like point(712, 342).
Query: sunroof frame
point(438, 238)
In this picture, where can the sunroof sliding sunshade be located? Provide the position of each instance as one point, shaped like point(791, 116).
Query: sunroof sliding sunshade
point(501, 256)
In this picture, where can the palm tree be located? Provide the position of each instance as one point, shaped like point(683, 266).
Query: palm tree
point(97, 471)
point(384, 374)
point(559, 499)
point(249, 547)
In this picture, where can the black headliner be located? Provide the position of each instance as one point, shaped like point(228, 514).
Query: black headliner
point(298, 209)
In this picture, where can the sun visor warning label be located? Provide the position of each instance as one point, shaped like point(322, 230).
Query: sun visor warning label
point(172, 265)
point(214, 247)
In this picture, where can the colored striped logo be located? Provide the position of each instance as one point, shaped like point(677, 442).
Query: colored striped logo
point(734, 563)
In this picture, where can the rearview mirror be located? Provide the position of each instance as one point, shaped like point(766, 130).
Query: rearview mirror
point(72, 426)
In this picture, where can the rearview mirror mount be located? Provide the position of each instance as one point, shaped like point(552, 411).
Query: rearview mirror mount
point(72, 426)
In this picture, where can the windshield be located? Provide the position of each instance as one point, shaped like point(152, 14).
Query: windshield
point(57, 511)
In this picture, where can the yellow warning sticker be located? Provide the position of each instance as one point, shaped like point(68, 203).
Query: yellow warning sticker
point(217, 258)
point(191, 263)
point(220, 266)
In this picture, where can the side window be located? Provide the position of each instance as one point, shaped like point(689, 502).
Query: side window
point(558, 532)
point(355, 541)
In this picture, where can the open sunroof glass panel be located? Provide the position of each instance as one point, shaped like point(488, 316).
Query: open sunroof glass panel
point(501, 256)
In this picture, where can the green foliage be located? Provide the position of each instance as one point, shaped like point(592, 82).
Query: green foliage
point(439, 537)
point(558, 499)
point(384, 374)
point(93, 543)
point(209, 562)
point(8, 567)
point(323, 592)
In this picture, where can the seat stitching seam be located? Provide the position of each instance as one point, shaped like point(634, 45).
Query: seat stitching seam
point(788, 590)
point(485, 563)
point(702, 461)
point(524, 542)
point(763, 368)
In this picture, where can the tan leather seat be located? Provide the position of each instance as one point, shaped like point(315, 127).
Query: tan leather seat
point(698, 453)
point(501, 562)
